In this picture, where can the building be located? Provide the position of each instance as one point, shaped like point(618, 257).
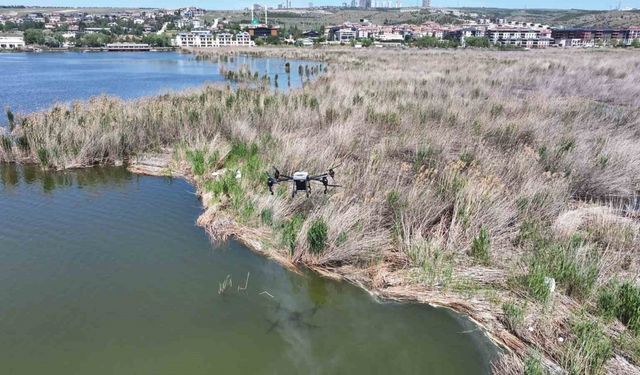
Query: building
point(583, 37)
point(426, 3)
point(344, 35)
point(262, 31)
point(11, 42)
point(131, 47)
point(205, 39)
point(520, 36)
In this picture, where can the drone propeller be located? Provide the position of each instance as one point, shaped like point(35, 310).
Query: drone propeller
point(276, 173)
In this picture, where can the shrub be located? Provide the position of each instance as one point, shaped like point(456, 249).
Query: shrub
point(43, 157)
point(513, 315)
point(481, 245)
point(427, 156)
point(588, 349)
point(571, 263)
point(266, 216)
point(290, 230)
point(317, 235)
point(536, 282)
point(10, 119)
point(395, 205)
point(196, 158)
point(533, 365)
point(623, 302)
point(5, 143)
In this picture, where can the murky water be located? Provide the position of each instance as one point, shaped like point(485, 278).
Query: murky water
point(34, 81)
point(104, 272)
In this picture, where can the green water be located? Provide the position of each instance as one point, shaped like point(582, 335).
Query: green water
point(104, 272)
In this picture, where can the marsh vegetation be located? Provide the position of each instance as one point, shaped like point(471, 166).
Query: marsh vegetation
point(472, 180)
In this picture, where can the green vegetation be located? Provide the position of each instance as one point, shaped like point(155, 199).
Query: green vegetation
point(481, 247)
point(573, 263)
point(513, 315)
point(290, 230)
point(432, 42)
point(533, 365)
point(436, 165)
point(196, 157)
point(478, 42)
point(622, 301)
point(588, 349)
point(317, 235)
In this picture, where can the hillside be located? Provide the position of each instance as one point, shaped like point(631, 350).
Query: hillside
point(569, 17)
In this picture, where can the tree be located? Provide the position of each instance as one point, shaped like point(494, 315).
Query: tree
point(480, 42)
point(94, 40)
point(272, 40)
point(34, 36)
point(156, 40)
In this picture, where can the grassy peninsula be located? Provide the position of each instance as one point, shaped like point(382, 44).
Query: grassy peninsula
point(494, 183)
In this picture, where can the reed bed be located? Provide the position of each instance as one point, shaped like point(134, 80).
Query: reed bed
point(456, 166)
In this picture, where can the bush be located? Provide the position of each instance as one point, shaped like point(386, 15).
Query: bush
point(621, 301)
point(317, 236)
point(481, 245)
point(480, 42)
point(266, 216)
point(533, 365)
point(571, 263)
point(536, 282)
point(588, 349)
point(43, 157)
point(513, 315)
point(290, 230)
point(5, 143)
point(196, 158)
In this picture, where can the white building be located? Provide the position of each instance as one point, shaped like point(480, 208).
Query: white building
point(345, 35)
point(520, 37)
point(11, 42)
point(205, 39)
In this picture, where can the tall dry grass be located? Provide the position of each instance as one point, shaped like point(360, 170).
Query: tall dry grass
point(437, 149)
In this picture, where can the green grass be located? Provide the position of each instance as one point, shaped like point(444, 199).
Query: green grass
point(196, 158)
point(481, 247)
point(317, 235)
point(513, 315)
point(5, 143)
point(588, 349)
point(290, 230)
point(43, 157)
point(266, 216)
point(573, 263)
point(621, 301)
point(533, 365)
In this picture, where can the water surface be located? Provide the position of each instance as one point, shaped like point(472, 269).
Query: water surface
point(34, 81)
point(104, 272)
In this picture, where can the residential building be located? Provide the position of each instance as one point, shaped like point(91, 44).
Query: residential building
point(589, 37)
point(520, 36)
point(11, 42)
point(205, 39)
point(345, 35)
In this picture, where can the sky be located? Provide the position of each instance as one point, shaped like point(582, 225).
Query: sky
point(238, 4)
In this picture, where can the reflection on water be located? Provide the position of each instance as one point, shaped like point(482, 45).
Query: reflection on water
point(103, 272)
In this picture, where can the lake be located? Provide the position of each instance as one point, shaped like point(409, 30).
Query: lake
point(34, 81)
point(105, 272)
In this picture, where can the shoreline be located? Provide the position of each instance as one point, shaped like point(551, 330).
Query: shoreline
point(359, 122)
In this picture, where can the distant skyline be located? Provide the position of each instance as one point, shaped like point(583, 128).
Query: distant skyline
point(239, 4)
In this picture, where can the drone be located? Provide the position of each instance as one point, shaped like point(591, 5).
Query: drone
point(301, 180)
